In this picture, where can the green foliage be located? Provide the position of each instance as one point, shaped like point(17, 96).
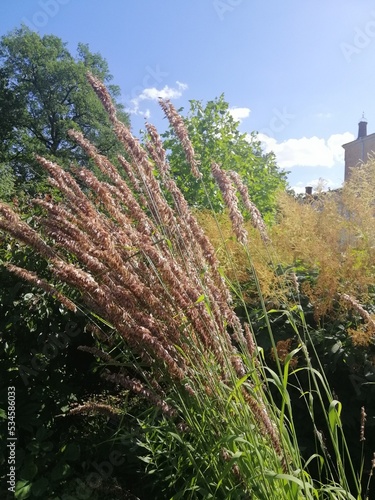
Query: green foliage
point(57, 455)
point(45, 93)
point(39, 357)
point(347, 367)
point(216, 138)
point(7, 182)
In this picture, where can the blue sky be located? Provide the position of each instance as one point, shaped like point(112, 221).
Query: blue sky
point(299, 73)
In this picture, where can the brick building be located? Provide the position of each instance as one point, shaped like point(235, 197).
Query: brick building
point(358, 151)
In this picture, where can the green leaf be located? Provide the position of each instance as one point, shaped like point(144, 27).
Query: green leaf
point(61, 471)
point(42, 433)
point(334, 413)
point(71, 452)
point(271, 475)
point(47, 446)
point(99, 318)
point(28, 471)
point(39, 487)
point(200, 298)
point(177, 437)
point(319, 458)
point(22, 490)
point(336, 347)
point(238, 384)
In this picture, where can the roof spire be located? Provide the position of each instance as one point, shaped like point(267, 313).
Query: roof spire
point(362, 127)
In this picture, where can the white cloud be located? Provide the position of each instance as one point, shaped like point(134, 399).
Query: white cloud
point(153, 94)
point(166, 92)
point(298, 189)
point(323, 115)
point(308, 151)
point(316, 184)
point(182, 86)
point(239, 114)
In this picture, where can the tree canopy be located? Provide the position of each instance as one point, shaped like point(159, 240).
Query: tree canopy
point(216, 138)
point(44, 93)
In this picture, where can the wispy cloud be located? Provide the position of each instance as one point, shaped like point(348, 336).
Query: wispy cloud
point(153, 94)
point(307, 151)
point(239, 114)
point(324, 116)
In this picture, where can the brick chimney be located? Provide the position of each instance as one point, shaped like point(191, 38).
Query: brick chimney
point(362, 127)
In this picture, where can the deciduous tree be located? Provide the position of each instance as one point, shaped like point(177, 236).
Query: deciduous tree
point(216, 138)
point(44, 93)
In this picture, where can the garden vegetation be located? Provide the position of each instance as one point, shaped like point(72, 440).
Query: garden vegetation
point(218, 332)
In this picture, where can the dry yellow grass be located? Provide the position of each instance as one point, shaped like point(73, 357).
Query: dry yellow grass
point(330, 235)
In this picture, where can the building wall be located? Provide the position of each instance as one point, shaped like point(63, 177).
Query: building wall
point(358, 151)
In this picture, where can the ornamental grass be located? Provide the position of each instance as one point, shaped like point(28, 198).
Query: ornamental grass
point(134, 253)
